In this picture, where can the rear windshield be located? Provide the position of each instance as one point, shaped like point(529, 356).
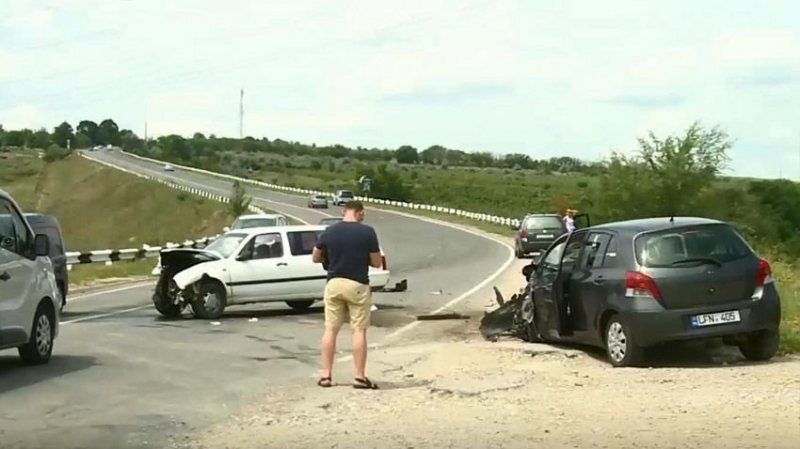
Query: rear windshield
point(543, 223)
point(674, 247)
point(345, 193)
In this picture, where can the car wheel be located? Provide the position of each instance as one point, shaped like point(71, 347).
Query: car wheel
point(518, 252)
point(40, 345)
point(300, 305)
point(620, 347)
point(761, 345)
point(210, 301)
point(162, 303)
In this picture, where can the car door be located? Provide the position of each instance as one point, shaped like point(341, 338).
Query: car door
point(562, 294)
point(310, 277)
point(586, 286)
point(261, 271)
point(17, 270)
point(544, 279)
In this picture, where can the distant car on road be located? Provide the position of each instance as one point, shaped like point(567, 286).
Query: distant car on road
point(48, 224)
point(327, 221)
point(258, 221)
point(30, 303)
point(629, 285)
point(245, 266)
point(342, 196)
point(315, 201)
point(536, 233)
point(168, 167)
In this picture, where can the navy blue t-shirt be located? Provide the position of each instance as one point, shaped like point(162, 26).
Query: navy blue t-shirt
point(347, 246)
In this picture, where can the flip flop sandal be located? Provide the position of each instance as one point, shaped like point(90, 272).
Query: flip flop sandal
point(325, 382)
point(364, 384)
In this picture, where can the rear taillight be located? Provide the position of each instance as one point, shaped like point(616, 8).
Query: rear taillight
point(763, 278)
point(639, 285)
point(523, 234)
point(764, 273)
point(384, 265)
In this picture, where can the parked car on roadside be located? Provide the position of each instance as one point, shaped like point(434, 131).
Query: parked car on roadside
point(30, 303)
point(342, 196)
point(537, 232)
point(257, 221)
point(630, 285)
point(318, 201)
point(327, 221)
point(48, 224)
point(245, 266)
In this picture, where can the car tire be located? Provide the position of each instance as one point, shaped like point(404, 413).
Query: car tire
point(163, 306)
point(518, 252)
point(210, 310)
point(621, 349)
point(760, 345)
point(39, 348)
point(300, 305)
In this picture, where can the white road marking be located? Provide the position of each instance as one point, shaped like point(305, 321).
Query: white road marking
point(71, 299)
point(104, 315)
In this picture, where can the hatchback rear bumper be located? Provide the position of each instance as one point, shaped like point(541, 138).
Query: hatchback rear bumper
point(533, 246)
point(653, 324)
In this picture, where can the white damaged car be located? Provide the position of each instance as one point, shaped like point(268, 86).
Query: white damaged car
point(265, 264)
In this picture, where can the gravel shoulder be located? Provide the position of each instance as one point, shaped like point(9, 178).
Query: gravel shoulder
point(443, 386)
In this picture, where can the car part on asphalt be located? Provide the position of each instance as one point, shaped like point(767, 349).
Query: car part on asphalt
point(442, 316)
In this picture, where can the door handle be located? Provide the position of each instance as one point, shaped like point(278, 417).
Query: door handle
point(598, 280)
point(5, 276)
point(282, 264)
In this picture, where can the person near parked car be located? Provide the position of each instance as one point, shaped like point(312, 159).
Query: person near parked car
point(346, 250)
point(569, 220)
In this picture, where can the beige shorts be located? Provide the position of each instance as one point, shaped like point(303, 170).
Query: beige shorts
point(345, 296)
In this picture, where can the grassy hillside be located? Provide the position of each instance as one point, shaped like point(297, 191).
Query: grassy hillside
point(101, 208)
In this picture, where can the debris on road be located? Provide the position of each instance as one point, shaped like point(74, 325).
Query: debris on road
point(215, 323)
point(398, 287)
point(253, 320)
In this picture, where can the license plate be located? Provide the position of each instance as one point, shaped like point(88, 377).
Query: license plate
point(711, 319)
point(545, 236)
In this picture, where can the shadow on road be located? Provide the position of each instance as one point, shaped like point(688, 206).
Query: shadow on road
point(15, 374)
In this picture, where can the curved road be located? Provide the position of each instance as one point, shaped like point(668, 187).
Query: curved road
point(122, 375)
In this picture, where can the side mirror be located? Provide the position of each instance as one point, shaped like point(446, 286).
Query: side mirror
point(528, 269)
point(243, 256)
point(41, 245)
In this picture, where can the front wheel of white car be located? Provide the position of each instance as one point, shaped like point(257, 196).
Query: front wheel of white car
point(211, 300)
point(300, 305)
point(40, 345)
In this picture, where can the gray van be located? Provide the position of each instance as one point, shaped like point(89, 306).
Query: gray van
point(48, 225)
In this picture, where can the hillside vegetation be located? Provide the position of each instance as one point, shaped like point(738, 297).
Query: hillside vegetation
point(102, 208)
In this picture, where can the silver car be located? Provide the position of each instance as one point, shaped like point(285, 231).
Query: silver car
point(315, 201)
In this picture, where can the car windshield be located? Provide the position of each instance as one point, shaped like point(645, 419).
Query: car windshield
point(226, 245)
point(549, 222)
point(254, 223)
point(345, 193)
point(695, 244)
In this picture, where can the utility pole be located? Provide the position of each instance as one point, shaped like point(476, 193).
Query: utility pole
point(145, 134)
point(241, 112)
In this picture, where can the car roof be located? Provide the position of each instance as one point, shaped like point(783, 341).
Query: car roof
point(655, 224)
point(267, 229)
point(41, 218)
point(542, 215)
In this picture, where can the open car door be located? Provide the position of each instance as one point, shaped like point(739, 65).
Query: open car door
point(582, 221)
point(559, 313)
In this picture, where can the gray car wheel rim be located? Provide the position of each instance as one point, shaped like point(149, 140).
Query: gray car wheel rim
point(617, 341)
point(211, 301)
point(43, 334)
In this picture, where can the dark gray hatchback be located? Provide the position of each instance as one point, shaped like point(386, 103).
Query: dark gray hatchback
point(48, 225)
point(628, 285)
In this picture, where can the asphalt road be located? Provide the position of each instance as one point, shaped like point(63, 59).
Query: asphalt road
point(123, 376)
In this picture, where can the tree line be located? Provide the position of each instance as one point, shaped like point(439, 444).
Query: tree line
point(174, 147)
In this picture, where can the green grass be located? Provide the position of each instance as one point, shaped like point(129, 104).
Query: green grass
point(93, 273)
point(102, 208)
point(787, 278)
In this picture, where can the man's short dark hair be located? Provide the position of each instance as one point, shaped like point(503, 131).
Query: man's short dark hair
point(354, 205)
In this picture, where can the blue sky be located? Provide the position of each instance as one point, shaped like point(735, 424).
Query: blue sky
point(547, 78)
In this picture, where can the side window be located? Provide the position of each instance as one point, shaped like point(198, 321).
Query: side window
point(572, 253)
point(267, 246)
point(14, 234)
point(301, 243)
point(595, 250)
point(553, 258)
point(610, 254)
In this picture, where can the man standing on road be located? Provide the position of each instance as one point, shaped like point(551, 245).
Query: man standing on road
point(347, 249)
